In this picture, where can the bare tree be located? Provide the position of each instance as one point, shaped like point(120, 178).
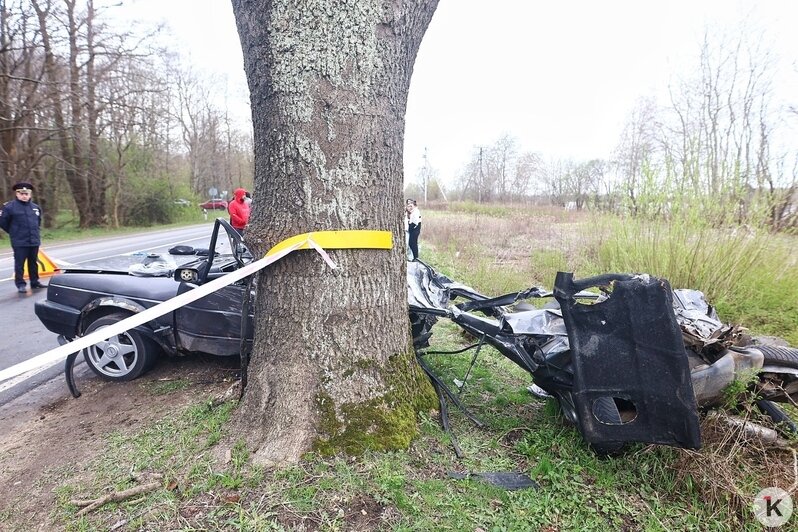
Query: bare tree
point(205, 131)
point(332, 367)
point(554, 177)
point(471, 181)
point(500, 164)
point(584, 179)
point(84, 63)
point(497, 173)
point(72, 90)
point(716, 142)
point(527, 168)
point(134, 118)
point(604, 188)
point(24, 126)
point(635, 152)
point(80, 101)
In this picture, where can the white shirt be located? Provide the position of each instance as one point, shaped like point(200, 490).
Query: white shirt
point(415, 216)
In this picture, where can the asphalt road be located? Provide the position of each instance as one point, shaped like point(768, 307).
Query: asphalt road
point(24, 337)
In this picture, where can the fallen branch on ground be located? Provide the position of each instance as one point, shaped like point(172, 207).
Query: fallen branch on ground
point(117, 496)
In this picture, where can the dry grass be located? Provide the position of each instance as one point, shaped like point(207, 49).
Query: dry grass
point(526, 246)
point(731, 467)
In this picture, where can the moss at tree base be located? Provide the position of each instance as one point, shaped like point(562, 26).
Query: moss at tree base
point(386, 423)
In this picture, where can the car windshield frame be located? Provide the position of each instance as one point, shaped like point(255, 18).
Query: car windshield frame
point(235, 240)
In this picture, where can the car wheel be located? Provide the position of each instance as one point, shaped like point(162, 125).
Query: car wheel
point(784, 424)
point(124, 356)
point(606, 411)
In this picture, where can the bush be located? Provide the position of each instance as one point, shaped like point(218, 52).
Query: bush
point(148, 205)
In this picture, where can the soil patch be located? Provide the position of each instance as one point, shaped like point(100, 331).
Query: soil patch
point(46, 430)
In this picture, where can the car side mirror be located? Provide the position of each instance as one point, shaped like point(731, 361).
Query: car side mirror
point(187, 275)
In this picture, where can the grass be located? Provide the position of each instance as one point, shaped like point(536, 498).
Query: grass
point(526, 246)
point(179, 448)
point(651, 488)
point(750, 276)
point(166, 387)
point(495, 251)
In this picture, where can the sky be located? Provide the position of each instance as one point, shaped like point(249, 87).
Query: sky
point(560, 77)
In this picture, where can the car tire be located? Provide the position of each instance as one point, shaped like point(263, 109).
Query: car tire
point(122, 357)
point(605, 411)
point(779, 356)
point(780, 363)
point(782, 421)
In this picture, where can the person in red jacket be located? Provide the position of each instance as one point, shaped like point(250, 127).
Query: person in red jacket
point(239, 210)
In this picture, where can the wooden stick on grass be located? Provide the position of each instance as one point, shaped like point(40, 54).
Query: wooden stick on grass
point(93, 504)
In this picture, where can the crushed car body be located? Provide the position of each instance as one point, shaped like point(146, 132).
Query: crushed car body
point(627, 358)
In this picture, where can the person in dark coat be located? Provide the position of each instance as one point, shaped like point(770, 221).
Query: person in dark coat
point(21, 219)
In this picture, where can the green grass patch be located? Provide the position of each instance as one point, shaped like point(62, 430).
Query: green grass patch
point(750, 276)
point(165, 387)
point(66, 227)
point(650, 488)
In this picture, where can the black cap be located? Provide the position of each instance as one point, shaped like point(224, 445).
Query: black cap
point(23, 185)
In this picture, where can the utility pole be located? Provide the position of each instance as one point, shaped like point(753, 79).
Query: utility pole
point(425, 175)
point(481, 177)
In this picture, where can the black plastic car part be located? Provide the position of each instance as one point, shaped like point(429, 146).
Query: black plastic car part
point(628, 347)
point(509, 480)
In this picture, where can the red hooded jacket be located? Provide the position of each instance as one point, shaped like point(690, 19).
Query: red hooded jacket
point(239, 209)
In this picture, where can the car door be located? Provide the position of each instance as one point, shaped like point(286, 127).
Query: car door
point(212, 324)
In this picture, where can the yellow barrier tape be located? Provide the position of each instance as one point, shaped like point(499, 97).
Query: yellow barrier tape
point(348, 239)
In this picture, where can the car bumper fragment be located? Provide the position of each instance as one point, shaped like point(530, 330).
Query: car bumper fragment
point(58, 318)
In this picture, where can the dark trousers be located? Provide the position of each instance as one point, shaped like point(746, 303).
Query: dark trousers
point(21, 254)
point(413, 240)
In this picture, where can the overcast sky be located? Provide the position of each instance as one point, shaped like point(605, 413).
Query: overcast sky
point(561, 77)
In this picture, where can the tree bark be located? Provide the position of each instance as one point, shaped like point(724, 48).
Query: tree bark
point(332, 367)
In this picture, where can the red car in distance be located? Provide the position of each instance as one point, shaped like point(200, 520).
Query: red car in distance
point(214, 204)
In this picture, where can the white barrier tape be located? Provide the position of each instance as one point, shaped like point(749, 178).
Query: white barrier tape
point(324, 254)
point(10, 383)
point(61, 352)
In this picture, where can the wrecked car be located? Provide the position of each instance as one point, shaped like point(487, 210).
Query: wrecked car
point(93, 295)
point(627, 358)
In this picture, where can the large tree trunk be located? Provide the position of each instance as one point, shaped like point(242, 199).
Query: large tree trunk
point(332, 368)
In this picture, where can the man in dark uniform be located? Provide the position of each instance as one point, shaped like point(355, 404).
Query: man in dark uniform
point(21, 219)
